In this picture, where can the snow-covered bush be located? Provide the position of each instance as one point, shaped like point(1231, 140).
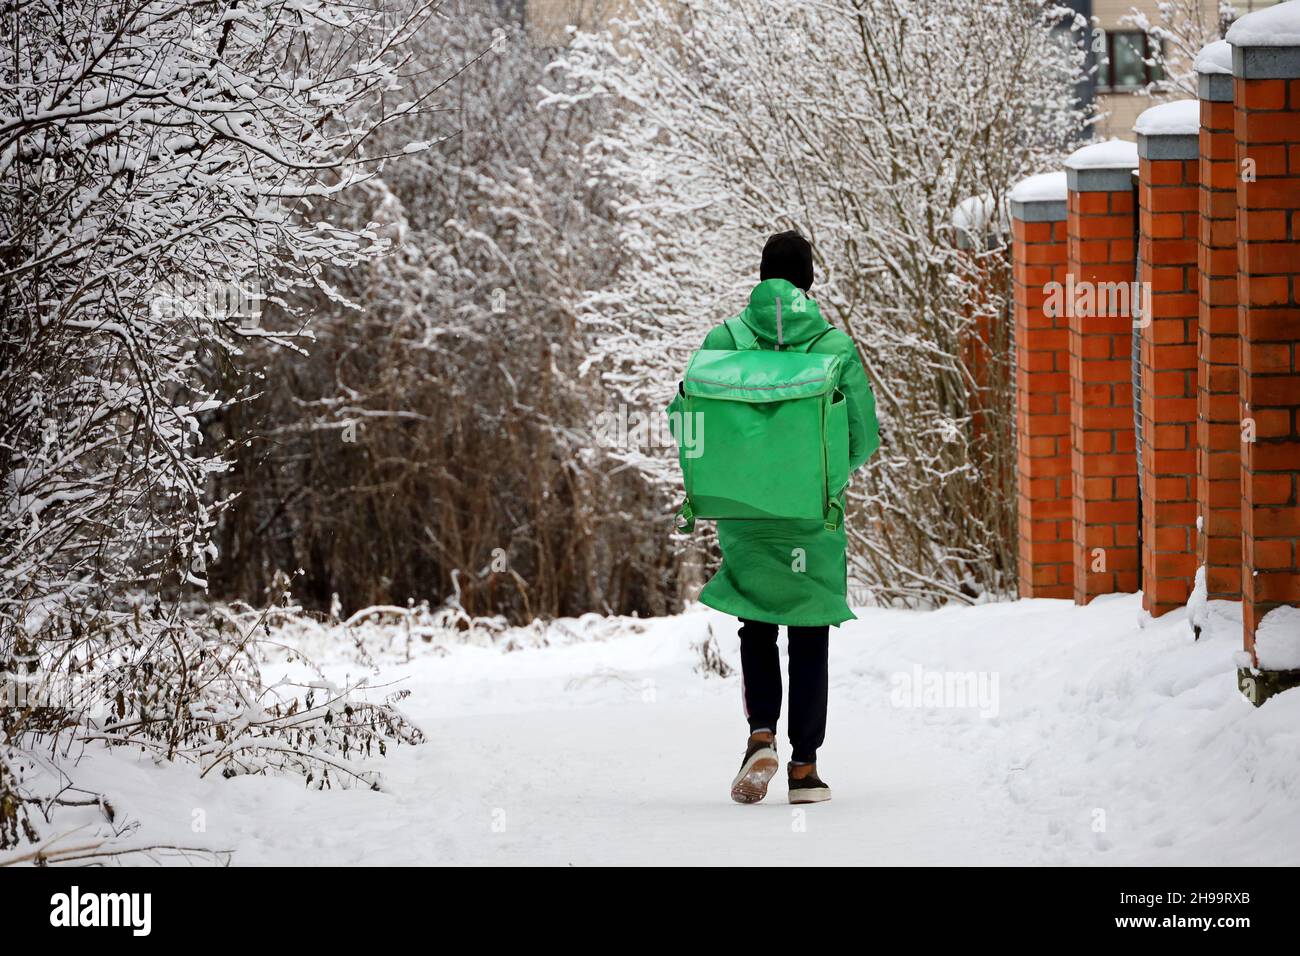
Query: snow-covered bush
point(433, 446)
point(864, 125)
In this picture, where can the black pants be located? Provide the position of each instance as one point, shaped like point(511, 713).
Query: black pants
point(760, 666)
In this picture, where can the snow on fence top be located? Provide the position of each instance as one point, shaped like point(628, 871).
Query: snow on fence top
point(1112, 154)
point(973, 215)
point(1045, 187)
point(1179, 118)
point(1272, 26)
point(1215, 57)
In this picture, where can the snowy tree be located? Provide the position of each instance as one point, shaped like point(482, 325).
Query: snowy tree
point(864, 124)
point(166, 175)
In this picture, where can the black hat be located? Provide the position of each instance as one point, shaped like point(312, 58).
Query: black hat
point(787, 255)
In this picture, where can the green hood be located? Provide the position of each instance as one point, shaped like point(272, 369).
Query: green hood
point(779, 313)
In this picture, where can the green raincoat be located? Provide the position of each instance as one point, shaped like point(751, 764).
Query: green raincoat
point(792, 572)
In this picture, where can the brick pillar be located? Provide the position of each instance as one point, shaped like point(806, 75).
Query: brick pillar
point(1266, 114)
point(981, 231)
point(1103, 465)
point(1169, 226)
point(1218, 402)
point(1042, 348)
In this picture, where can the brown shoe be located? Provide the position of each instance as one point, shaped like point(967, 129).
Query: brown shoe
point(807, 787)
point(756, 769)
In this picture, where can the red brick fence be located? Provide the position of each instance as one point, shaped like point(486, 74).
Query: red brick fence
point(1157, 331)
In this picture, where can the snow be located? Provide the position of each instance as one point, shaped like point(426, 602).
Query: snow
point(1105, 745)
point(1272, 26)
point(1215, 57)
point(1179, 118)
point(1044, 187)
point(1277, 639)
point(1111, 154)
point(973, 214)
point(1198, 600)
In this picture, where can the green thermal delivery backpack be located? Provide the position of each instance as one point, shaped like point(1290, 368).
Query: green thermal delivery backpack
point(761, 433)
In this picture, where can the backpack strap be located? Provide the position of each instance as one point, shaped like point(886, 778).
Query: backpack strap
point(817, 338)
point(834, 514)
point(741, 334)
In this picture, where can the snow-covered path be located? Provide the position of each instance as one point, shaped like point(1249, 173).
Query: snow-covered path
point(1111, 744)
point(624, 782)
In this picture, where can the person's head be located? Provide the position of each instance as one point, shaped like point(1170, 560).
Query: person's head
point(787, 255)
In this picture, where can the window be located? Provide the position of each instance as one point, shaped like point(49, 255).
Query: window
point(1121, 61)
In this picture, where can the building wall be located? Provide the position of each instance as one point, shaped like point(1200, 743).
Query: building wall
point(1122, 108)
